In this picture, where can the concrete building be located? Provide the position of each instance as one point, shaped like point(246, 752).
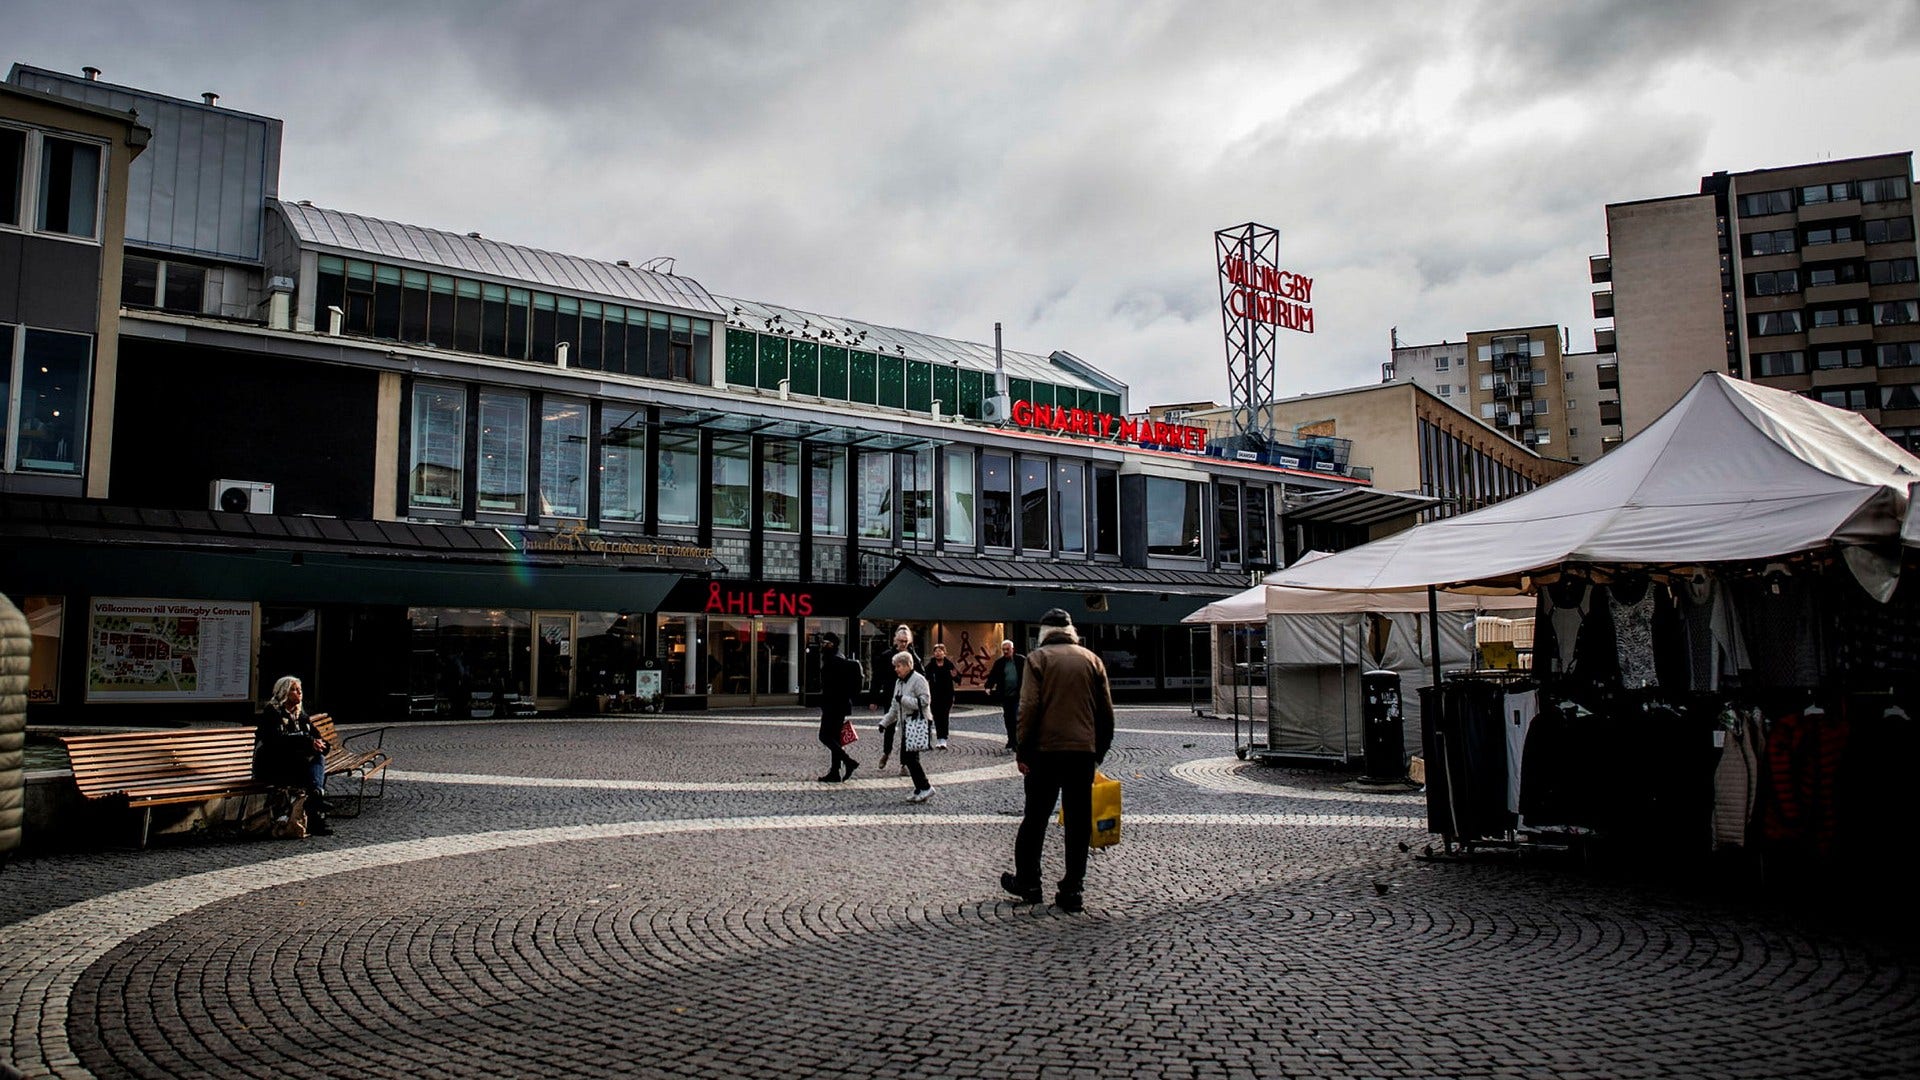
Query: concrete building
point(1442, 369)
point(1800, 277)
point(1592, 397)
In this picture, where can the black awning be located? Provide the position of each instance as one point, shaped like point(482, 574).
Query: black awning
point(1005, 590)
point(1356, 506)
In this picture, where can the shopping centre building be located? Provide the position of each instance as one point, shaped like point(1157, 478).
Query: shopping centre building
point(437, 474)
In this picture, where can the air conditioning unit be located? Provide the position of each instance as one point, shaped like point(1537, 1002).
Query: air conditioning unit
point(241, 496)
point(1096, 601)
point(996, 409)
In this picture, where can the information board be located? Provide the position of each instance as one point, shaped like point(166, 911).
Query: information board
point(169, 650)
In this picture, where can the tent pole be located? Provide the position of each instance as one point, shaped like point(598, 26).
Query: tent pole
point(1433, 633)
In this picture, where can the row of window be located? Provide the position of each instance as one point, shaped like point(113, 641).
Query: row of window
point(840, 373)
point(1877, 272)
point(49, 184)
point(1787, 241)
point(1883, 313)
point(1463, 477)
point(1868, 396)
point(509, 453)
point(163, 284)
point(1794, 361)
point(516, 324)
point(43, 400)
point(1885, 189)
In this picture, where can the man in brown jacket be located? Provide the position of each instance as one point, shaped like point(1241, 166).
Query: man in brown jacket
point(1065, 729)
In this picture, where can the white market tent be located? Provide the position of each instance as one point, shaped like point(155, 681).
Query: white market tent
point(1911, 531)
point(1733, 471)
point(1309, 689)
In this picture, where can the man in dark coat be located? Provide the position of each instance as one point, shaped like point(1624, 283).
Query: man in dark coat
point(1003, 684)
point(1066, 728)
point(839, 684)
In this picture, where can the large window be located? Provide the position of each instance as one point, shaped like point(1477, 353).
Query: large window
point(679, 476)
point(1778, 242)
point(1070, 489)
point(623, 463)
point(1226, 529)
point(1034, 531)
point(1832, 358)
point(503, 452)
point(563, 457)
point(996, 500)
point(1901, 396)
point(957, 500)
point(1106, 511)
point(1174, 510)
point(1887, 189)
point(69, 195)
point(1883, 230)
point(1776, 322)
point(436, 472)
point(1773, 283)
point(13, 166)
point(876, 495)
point(1890, 271)
point(1896, 313)
point(1259, 549)
point(1762, 203)
point(829, 490)
point(916, 495)
point(43, 399)
point(1899, 354)
point(732, 481)
point(780, 485)
point(1793, 362)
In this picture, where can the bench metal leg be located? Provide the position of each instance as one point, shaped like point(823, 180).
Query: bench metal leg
point(146, 826)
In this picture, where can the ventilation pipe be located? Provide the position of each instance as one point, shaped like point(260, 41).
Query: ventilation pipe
point(280, 303)
point(937, 403)
point(209, 97)
point(560, 353)
point(92, 73)
point(784, 385)
point(335, 316)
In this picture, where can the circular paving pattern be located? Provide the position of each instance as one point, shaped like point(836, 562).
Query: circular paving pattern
point(1253, 922)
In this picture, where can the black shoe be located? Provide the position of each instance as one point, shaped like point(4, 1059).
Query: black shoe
point(830, 778)
point(320, 828)
point(1069, 902)
point(1025, 894)
point(851, 765)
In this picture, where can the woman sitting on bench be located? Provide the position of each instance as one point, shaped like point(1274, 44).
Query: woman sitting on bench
point(289, 752)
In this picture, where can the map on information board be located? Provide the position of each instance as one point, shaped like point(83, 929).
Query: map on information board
point(169, 650)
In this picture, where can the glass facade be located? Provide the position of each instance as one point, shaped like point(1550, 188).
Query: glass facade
point(563, 457)
point(1174, 515)
point(437, 469)
point(623, 463)
point(958, 496)
point(503, 453)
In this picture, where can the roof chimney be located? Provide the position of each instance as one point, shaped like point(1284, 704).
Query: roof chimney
point(92, 73)
point(622, 262)
point(473, 236)
point(209, 97)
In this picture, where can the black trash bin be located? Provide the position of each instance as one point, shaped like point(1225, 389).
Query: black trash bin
point(1382, 727)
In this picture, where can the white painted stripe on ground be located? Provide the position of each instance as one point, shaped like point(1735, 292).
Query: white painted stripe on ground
point(1232, 776)
point(45, 956)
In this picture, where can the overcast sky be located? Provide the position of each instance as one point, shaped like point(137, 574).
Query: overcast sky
point(1059, 167)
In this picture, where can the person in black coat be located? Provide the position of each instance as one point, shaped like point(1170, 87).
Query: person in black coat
point(839, 684)
point(941, 675)
point(289, 752)
point(1003, 683)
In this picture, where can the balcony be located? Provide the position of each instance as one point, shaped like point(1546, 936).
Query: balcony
point(1835, 252)
point(1600, 268)
point(1845, 208)
point(1839, 335)
point(1603, 304)
point(1610, 412)
point(1827, 294)
point(1603, 340)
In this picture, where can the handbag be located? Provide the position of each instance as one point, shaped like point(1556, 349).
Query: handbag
point(848, 736)
point(1106, 811)
point(917, 734)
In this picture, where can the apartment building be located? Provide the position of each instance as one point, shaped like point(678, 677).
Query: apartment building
point(1801, 277)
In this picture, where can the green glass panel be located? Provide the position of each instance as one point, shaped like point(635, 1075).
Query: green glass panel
point(740, 358)
point(833, 372)
point(806, 368)
point(1110, 403)
point(972, 387)
point(1042, 394)
point(919, 386)
point(773, 361)
point(860, 377)
point(1020, 389)
point(888, 382)
point(332, 264)
point(945, 391)
point(1090, 400)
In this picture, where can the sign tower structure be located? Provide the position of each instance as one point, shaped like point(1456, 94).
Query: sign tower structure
point(1257, 300)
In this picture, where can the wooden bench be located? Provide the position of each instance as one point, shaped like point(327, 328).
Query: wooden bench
point(161, 768)
point(343, 760)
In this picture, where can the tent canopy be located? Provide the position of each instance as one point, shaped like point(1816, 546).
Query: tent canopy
point(1733, 471)
point(1256, 604)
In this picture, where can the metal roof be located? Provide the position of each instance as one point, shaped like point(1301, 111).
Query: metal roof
point(1355, 506)
point(392, 241)
point(759, 316)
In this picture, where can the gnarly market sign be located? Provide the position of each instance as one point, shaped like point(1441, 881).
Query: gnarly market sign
point(1154, 434)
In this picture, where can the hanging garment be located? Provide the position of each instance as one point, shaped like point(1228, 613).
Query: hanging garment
point(1520, 708)
point(1631, 602)
point(1567, 603)
point(1715, 647)
point(1736, 777)
point(1782, 630)
point(1801, 811)
point(1555, 769)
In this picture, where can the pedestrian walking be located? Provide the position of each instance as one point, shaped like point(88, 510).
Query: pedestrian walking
point(1003, 685)
point(883, 687)
point(941, 675)
point(1065, 729)
point(911, 714)
point(839, 683)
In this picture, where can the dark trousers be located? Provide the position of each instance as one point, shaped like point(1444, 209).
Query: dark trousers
point(1010, 712)
point(830, 738)
point(911, 759)
point(1064, 777)
point(942, 708)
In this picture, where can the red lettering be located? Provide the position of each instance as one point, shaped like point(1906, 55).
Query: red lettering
point(1023, 413)
point(736, 604)
point(1106, 424)
point(713, 597)
point(1199, 438)
point(1129, 429)
point(1192, 438)
point(804, 604)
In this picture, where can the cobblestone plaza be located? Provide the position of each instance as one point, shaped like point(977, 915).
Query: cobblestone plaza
point(677, 897)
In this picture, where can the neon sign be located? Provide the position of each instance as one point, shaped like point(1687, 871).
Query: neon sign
point(1270, 295)
point(1149, 433)
point(729, 601)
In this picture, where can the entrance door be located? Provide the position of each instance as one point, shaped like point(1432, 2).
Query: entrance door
point(755, 661)
point(553, 660)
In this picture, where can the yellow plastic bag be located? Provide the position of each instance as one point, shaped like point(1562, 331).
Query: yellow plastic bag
point(1106, 811)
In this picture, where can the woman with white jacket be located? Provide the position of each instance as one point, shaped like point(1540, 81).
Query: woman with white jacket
point(912, 712)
